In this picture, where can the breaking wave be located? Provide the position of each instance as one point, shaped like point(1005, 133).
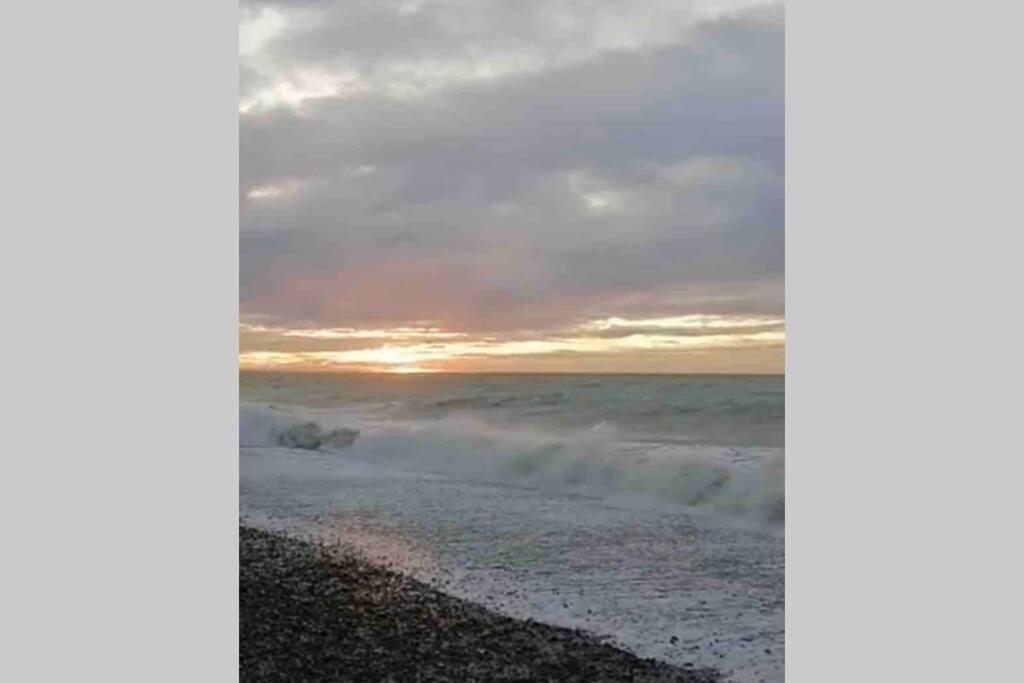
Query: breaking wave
point(748, 482)
point(276, 428)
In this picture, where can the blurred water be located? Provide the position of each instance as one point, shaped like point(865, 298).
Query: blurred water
point(741, 410)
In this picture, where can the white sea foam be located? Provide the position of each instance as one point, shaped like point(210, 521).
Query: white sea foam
point(598, 461)
point(646, 509)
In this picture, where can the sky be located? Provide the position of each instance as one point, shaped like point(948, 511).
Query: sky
point(528, 186)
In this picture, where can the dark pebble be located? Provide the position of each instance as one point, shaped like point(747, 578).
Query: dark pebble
point(306, 615)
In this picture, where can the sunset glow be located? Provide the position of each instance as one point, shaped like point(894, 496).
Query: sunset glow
point(430, 349)
point(489, 187)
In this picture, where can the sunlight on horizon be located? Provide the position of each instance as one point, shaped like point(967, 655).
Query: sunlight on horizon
point(613, 341)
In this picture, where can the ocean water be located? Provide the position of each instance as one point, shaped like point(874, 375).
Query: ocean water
point(646, 509)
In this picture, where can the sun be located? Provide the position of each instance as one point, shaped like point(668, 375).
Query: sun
point(407, 370)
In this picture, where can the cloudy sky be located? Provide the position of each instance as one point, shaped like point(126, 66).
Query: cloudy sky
point(488, 185)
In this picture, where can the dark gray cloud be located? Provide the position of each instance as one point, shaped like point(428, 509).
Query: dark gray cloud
point(631, 170)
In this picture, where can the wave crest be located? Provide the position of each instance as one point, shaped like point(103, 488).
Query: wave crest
point(747, 482)
point(275, 428)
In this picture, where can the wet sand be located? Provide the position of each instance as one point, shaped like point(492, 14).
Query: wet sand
point(310, 614)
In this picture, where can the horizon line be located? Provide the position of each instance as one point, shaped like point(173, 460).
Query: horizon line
point(321, 371)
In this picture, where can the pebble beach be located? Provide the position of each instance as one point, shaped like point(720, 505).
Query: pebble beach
point(310, 613)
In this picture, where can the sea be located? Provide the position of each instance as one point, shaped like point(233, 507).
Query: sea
point(646, 509)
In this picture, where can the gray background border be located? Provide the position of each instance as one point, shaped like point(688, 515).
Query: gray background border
point(119, 274)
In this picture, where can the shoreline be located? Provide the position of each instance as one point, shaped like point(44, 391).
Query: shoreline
point(308, 614)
